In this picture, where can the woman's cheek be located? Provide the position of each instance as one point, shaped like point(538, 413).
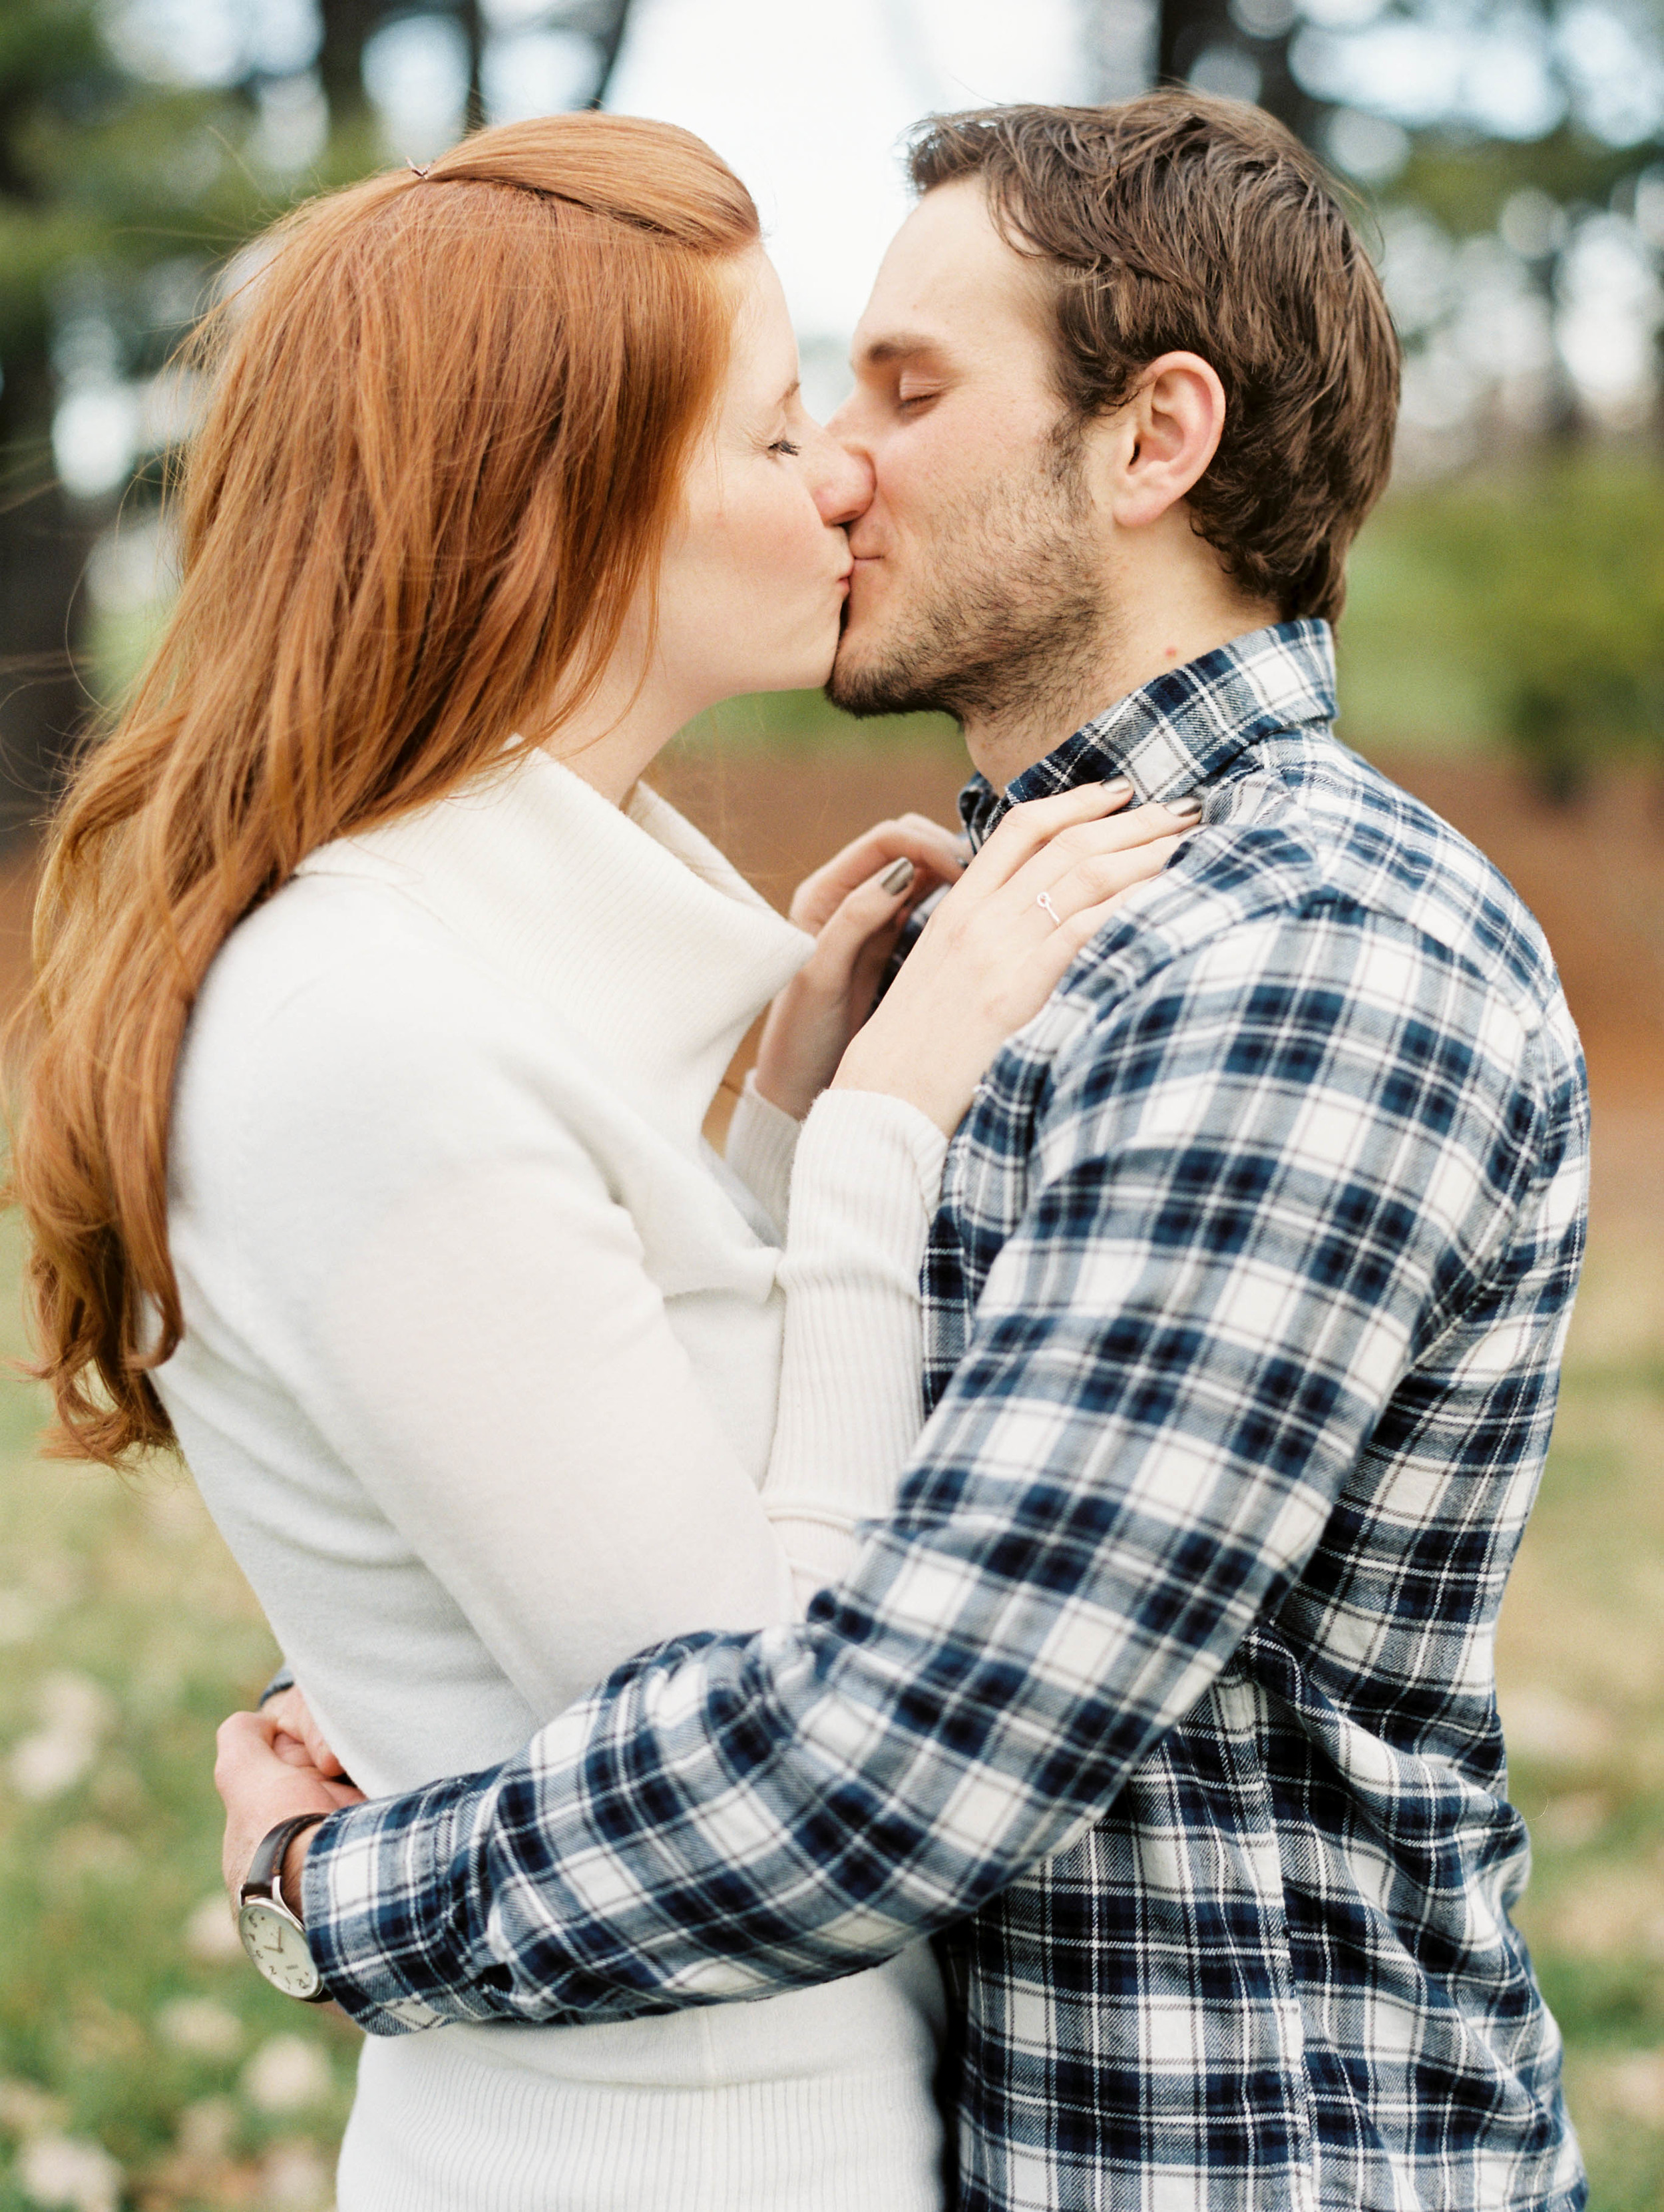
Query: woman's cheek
point(787, 540)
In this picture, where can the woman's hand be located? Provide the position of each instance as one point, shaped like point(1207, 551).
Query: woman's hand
point(854, 907)
point(298, 1738)
point(264, 1774)
point(997, 946)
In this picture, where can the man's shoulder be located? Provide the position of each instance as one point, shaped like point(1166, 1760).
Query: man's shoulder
point(1307, 851)
point(1388, 853)
point(1319, 888)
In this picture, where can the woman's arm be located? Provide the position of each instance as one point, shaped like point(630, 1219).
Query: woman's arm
point(762, 1142)
point(855, 907)
point(864, 1190)
point(435, 1265)
point(482, 1344)
point(869, 1163)
point(863, 1173)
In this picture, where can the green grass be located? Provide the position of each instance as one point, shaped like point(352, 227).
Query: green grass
point(805, 719)
point(1581, 1657)
point(1519, 604)
point(126, 2021)
point(126, 2025)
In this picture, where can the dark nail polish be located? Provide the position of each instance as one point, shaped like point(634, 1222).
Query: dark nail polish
point(896, 878)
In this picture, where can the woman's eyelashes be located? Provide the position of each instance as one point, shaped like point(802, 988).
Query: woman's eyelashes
point(784, 445)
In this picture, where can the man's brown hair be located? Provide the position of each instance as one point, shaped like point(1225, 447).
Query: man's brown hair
point(1175, 222)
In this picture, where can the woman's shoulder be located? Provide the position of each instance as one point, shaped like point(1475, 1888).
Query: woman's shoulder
point(341, 998)
point(332, 950)
point(348, 1059)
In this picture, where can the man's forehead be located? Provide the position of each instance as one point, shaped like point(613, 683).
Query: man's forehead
point(948, 283)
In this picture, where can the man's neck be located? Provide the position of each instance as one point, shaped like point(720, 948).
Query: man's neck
point(1003, 746)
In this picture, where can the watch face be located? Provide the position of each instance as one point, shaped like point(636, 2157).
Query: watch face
point(278, 1948)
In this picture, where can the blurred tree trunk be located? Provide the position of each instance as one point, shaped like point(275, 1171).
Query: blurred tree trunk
point(44, 540)
point(611, 21)
point(1186, 28)
point(1565, 420)
point(347, 27)
point(473, 17)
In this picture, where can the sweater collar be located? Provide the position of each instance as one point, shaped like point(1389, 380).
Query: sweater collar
point(625, 924)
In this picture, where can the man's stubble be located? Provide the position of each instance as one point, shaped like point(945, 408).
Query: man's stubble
point(1011, 621)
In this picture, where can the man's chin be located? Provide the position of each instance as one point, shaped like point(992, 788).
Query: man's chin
point(864, 686)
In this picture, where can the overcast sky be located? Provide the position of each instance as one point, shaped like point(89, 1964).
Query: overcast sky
point(808, 99)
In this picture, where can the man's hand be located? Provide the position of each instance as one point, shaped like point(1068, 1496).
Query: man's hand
point(261, 1785)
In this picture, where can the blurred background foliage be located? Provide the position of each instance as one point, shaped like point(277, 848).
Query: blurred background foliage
point(1508, 156)
point(1503, 652)
point(1541, 593)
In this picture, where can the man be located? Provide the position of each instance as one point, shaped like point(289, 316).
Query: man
point(1165, 1698)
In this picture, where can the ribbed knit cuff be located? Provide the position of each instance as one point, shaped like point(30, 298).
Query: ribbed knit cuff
point(863, 1192)
point(762, 1138)
point(870, 1164)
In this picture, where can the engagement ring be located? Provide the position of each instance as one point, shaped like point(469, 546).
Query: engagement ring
point(1045, 900)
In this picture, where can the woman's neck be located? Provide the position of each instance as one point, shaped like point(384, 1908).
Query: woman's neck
point(613, 739)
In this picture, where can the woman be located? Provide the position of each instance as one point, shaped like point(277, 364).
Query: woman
point(490, 1374)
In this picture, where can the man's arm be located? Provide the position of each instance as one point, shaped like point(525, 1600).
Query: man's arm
point(1268, 1182)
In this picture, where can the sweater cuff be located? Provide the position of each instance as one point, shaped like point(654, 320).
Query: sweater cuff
point(872, 1164)
point(864, 1194)
point(762, 1138)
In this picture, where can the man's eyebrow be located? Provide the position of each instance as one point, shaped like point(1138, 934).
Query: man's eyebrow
point(903, 345)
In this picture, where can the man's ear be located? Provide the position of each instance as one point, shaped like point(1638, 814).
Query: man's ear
point(1169, 431)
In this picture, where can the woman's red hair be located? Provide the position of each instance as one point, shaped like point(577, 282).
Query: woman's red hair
point(449, 428)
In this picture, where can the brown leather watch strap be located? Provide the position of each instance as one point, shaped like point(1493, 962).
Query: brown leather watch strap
point(265, 1869)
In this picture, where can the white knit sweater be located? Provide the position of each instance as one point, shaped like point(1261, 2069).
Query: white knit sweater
point(491, 1378)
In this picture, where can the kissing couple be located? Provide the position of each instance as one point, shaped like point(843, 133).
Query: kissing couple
point(1036, 1511)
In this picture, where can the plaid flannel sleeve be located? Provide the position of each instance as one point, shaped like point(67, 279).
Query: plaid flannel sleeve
point(1263, 1180)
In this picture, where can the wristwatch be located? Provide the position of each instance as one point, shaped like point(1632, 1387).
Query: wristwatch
point(272, 1934)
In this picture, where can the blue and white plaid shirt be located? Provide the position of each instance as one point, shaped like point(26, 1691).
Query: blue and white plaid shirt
point(1166, 1698)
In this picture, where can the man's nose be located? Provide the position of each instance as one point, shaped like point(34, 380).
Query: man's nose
point(845, 490)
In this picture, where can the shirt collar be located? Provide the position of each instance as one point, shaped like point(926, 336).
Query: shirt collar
point(624, 923)
point(1185, 725)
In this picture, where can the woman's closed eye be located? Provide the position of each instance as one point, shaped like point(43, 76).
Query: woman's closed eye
point(786, 446)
